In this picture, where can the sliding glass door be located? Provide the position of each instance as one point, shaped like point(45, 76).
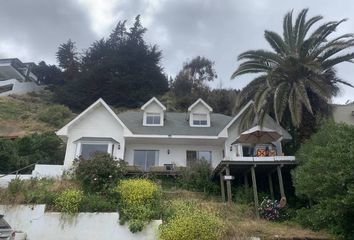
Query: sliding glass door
point(146, 158)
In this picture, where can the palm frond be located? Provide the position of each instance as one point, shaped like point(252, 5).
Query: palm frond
point(300, 27)
point(276, 42)
point(261, 55)
point(334, 61)
point(301, 92)
point(280, 101)
point(288, 30)
point(251, 67)
point(295, 108)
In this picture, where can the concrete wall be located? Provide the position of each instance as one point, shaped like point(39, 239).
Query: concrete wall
point(177, 153)
point(43, 170)
point(41, 225)
point(98, 123)
point(20, 87)
point(4, 181)
point(39, 171)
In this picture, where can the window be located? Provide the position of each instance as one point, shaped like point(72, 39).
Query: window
point(153, 118)
point(87, 149)
point(247, 151)
point(6, 88)
point(4, 224)
point(200, 119)
point(192, 156)
point(146, 158)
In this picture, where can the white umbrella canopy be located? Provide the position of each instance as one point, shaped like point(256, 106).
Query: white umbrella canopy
point(258, 135)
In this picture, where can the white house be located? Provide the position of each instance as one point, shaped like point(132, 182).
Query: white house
point(16, 77)
point(155, 137)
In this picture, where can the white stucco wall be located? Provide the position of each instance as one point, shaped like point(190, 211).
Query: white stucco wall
point(41, 225)
point(98, 123)
point(232, 134)
point(153, 107)
point(20, 87)
point(178, 152)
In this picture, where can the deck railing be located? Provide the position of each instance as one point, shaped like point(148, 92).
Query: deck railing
point(263, 159)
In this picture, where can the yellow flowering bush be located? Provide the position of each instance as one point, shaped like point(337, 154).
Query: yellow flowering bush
point(69, 201)
point(137, 191)
point(139, 202)
point(185, 221)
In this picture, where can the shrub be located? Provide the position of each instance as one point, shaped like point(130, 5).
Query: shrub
point(242, 194)
point(97, 203)
point(39, 191)
point(8, 155)
point(16, 186)
point(326, 177)
point(69, 201)
point(45, 148)
point(55, 115)
point(187, 222)
point(197, 177)
point(100, 173)
point(139, 202)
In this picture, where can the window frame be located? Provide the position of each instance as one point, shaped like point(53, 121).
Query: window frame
point(197, 152)
point(198, 123)
point(153, 115)
point(110, 146)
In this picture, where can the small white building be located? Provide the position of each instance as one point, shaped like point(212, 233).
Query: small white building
point(16, 77)
point(155, 137)
point(344, 113)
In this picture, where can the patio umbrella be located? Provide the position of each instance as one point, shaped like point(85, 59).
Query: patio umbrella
point(257, 135)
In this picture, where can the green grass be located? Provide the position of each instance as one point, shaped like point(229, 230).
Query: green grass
point(21, 113)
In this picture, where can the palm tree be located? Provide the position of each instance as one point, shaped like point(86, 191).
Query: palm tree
point(298, 70)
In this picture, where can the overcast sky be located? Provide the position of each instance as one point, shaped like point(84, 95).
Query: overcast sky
point(217, 29)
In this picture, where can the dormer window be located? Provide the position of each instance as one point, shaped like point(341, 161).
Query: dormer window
point(153, 113)
point(199, 114)
point(153, 118)
point(200, 119)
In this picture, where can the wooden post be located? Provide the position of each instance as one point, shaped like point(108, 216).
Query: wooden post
point(270, 182)
point(281, 185)
point(222, 186)
point(255, 194)
point(228, 185)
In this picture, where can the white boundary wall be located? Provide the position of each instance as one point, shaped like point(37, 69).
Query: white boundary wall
point(39, 171)
point(41, 225)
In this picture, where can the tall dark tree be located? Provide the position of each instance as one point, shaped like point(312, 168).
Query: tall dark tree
point(123, 69)
point(48, 74)
point(298, 77)
point(67, 57)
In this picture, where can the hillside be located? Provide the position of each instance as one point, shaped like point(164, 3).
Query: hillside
point(35, 112)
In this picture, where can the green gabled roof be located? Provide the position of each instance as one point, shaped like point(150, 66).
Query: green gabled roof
point(174, 124)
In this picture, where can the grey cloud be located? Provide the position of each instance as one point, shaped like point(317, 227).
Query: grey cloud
point(219, 30)
point(41, 25)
